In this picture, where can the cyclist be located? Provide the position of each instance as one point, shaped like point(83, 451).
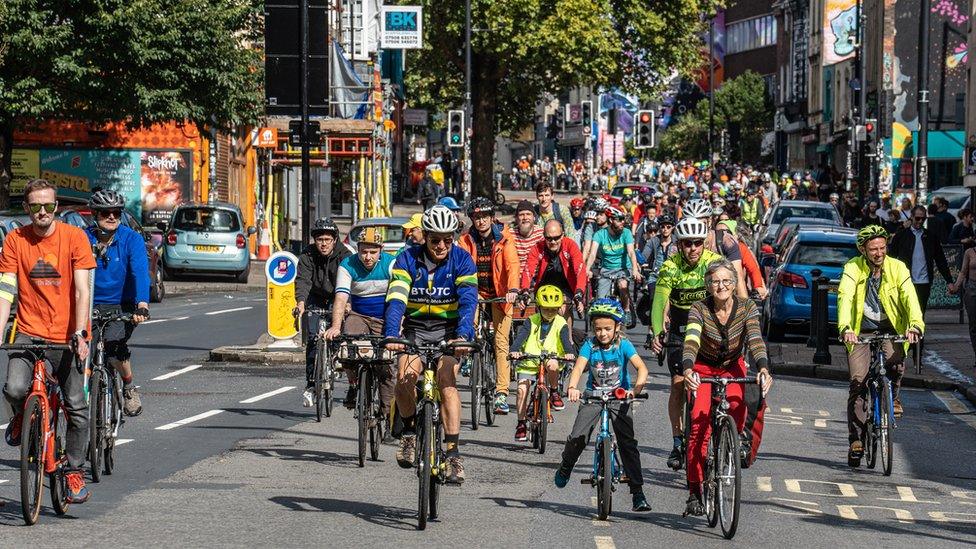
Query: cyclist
point(719, 328)
point(754, 274)
point(46, 265)
point(546, 331)
point(525, 231)
point(362, 282)
point(599, 205)
point(548, 209)
point(680, 283)
point(315, 286)
point(432, 299)
point(556, 261)
point(614, 247)
point(121, 284)
point(718, 240)
point(659, 248)
point(875, 295)
point(751, 208)
point(606, 358)
point(496, 258)
point(576, 211)
point(413, 235)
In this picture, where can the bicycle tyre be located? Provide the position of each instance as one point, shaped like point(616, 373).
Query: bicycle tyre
point(318, 385)
point(728, 465)
point(870, 437)
point(885, 428)
point(489, 378)
point(96, 423)
point(543, 419)
point(328, 381)
point(475, 381)
point(116, 409)
point(31, 460)
point(375, 420)
point(604, 487)
point(436, 478)
point(362, 413)
point(709, 492)
point(59, 485)
point(425, 466)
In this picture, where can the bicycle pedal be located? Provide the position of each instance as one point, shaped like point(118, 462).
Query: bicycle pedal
point(588, 480)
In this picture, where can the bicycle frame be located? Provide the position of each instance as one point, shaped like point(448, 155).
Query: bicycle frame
point(875, 373)
point(47, 388)
point(606, 433)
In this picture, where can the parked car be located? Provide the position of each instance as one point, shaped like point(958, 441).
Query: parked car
point(785, 209)
point(958, 198)
point(7, 225)
point(788, 306)
point(394, 237)
point(207, 238)
point(617, 192)
point(81, 216)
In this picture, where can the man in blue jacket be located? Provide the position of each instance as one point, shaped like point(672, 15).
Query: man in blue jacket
point(121, 283)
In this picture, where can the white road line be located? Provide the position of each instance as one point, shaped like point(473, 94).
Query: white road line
point(121, 441)
point(764, 484)
point(956, 407)
point(3, 481)
point(178, 372)
point(820, 423)
point(269, 394)
point(188, 420)
point(4, 426)
point(228, 311)
point(604, 542)
point(158, 320)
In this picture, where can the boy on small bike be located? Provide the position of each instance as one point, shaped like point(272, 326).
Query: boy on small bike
point(605, 358)
point(546, 331)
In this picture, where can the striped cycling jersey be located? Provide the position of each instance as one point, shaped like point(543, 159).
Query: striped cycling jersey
point(681, 285)
point(366, 287)
point(709, 342)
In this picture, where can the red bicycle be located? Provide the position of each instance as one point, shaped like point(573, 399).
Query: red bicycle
point(42, 447)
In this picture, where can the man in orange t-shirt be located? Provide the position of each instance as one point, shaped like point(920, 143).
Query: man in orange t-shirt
point(46, 265)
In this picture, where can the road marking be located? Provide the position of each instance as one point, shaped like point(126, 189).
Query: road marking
point(943, 366)
point(604, 542)
point(3, 481)
point(122, 441)
point(157, 320)
point(906, 495)
point(269, 394)
point(228, 311)
point(846, 490)
point(956, 407)
point(848, 512)
point(808, 508)
point(178, 372)
point(764, 484)
point(600, 523)
point(4, 426)
point(188, 420)
point(820, 423)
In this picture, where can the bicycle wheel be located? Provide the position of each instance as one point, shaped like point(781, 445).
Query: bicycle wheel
point(604, 486)
point(31, 460)
point(885, 426)
point(425, 465)
point(362, 413)
point(438, 469)
point(475, 380)
point(728, 477)
point(328, 380)
point(543, 423)
point(114, 413)
point(870, 434)
point(319, 404)
point(489, 377)
point(375, 420)
point(96, 424)
point(709, 491)
point(59, 486)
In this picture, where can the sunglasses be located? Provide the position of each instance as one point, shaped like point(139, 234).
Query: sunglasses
point(110, 213)
point(692, 243)
point(554, 238)
point(49, 207)
point(437, 240)
point(919, 219)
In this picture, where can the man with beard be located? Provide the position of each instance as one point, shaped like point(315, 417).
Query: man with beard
point(527, 234)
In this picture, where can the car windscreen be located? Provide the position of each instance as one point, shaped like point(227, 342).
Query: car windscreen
point(823, 255)
point(785, 212)
point(206, 219)
point(391, 233)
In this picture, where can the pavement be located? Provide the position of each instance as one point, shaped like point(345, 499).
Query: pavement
point(224, 456)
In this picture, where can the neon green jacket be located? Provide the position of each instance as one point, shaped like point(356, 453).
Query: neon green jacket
point(896, 294)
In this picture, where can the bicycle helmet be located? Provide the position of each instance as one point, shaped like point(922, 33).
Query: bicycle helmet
point(690, 228)
point(614, 212)
point(628, 192)
point(450, 203)
point(606, 307)
point(589, 215)
point(870, 233)
point(665, 219)
point(439, 219)
point(370, 235)
point(698, 208)
point(600, 204)
point(324, 225)
point(549, 296)
point(576, 203)
point(480, 204)
point(106, 199)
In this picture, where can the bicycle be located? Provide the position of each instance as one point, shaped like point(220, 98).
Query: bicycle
point(42, 446)
point(722, 485)
point(606, 462)
point(430, 457)
point(540, 411)
point(105, 398)
point(325, 372)
point(881, 412)
point(616, 293)
point(484, 369)
point(363, 353)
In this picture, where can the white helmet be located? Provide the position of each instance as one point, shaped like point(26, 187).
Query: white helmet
point(439, 219)
point(690, 227)
point(698, 208)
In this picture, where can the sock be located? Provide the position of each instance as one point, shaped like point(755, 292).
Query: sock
point(451, 444)
point(126, 381)
point(408, 423)
point(677, 442)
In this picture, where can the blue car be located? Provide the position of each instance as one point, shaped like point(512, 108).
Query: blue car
point(787, 308)
point(207, 238)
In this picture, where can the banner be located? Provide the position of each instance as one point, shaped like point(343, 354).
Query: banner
point(403, 28)
point(840, 21)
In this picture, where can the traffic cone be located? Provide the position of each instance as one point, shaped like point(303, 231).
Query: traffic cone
point(264, 241)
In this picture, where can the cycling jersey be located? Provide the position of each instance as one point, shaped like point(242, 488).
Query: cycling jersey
point(896, 294)
point(430, 295)
point(366, 288)
point(122, 275)
point(612, 251)
point(682, 285)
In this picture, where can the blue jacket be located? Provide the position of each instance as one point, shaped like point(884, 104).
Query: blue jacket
point(122, 275)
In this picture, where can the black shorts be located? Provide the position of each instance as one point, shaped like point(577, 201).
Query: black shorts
point(418, 334)
point(673, 347)
point(116, 334)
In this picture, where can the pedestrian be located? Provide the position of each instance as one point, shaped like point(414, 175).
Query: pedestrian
point(966, 282)
point(527, 234)
point(871, 216)
point(963, 233)
point(918, 248)
point(429, 191)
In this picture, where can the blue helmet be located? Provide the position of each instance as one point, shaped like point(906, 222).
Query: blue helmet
point(606, 307)
point(450, 203)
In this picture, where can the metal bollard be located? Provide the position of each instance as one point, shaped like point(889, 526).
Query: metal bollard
point(821, 285)
point(814, 308)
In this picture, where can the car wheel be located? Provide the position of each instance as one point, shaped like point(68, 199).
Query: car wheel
point(157, 290)
point(164, 273)
point(774, 333)
point(241, 277)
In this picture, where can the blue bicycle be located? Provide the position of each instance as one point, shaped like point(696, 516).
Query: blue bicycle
point(606, 462)
point(881, 412)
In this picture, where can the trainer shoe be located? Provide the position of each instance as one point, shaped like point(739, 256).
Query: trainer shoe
point(455, 470)
point(350, 400)
point(640, 504)
point(694, 506)
point(897, 408)
point(466, 367)
point(77, 491)
point(308, 397)
point(561, 478)
point(676, 459)
point(556, 401)
point(855, 454)
point(501, 404)
point(521, 432)
point(407, 452)
point(133, 404)
point(12, 434)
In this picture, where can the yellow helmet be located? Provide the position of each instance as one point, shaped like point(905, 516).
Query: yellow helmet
point(549, 296)
point(371, 235)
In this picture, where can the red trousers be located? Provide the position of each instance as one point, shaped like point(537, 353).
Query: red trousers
point(701, 424)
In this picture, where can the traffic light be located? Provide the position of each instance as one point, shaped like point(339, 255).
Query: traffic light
point(612, 121)
point(455, 128)
point(552, 129)
point(586, 116)
point(644, 130)
point(870, 136)
point(560, 121)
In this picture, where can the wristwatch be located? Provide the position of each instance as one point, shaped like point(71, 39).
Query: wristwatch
point(82, 333)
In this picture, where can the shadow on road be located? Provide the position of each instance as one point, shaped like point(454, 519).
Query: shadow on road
point(380, 515)
point(316, 456)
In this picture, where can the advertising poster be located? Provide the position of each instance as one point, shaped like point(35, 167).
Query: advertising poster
point(840, 19)
point(166, 179)
point(403, 27)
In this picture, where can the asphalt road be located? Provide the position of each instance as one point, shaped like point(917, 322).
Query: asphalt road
point(262, 472)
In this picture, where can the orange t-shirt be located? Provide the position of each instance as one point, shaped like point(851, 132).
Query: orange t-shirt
point(45, 278)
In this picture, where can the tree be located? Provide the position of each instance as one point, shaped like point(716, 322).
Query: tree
point(522, 49)
point(742, 107)
point(140, 62)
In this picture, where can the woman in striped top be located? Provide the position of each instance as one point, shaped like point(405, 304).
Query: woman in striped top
point(719, 328)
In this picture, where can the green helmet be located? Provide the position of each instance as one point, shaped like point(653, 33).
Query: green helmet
point(870, 233)
point(608, 308)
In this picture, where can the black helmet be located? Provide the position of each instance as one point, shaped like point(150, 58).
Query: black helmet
point(665, 219)
point(480, 204)
point(106, 199)
point(324, 225)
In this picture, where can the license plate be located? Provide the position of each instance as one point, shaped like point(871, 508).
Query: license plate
point(204, 248)
point(832, 289)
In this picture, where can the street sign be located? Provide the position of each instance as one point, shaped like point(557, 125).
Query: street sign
point(295, 135)
point(574, 114)
point(415, 117)
point(971, 164)
point(402, 27)
point(281, 270)
point(267, 138)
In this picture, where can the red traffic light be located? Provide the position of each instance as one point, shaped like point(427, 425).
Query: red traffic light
point(645, 118)
point(869, 127)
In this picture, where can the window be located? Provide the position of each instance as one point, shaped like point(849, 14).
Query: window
point(824, 255)
point(207, 219)
point(750, 34)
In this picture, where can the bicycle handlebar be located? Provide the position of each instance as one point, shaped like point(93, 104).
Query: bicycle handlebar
point(37, 347)
point(728, 380)
point(443, 346)
point(492, 300)
point(894, 338)
point(609, 396)
point(98, 316)
point(543, 356)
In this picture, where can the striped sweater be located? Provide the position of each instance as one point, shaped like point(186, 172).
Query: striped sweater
point(711, 343)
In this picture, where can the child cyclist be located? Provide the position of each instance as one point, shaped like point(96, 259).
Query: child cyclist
point(605, 357)
point(545, 331)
